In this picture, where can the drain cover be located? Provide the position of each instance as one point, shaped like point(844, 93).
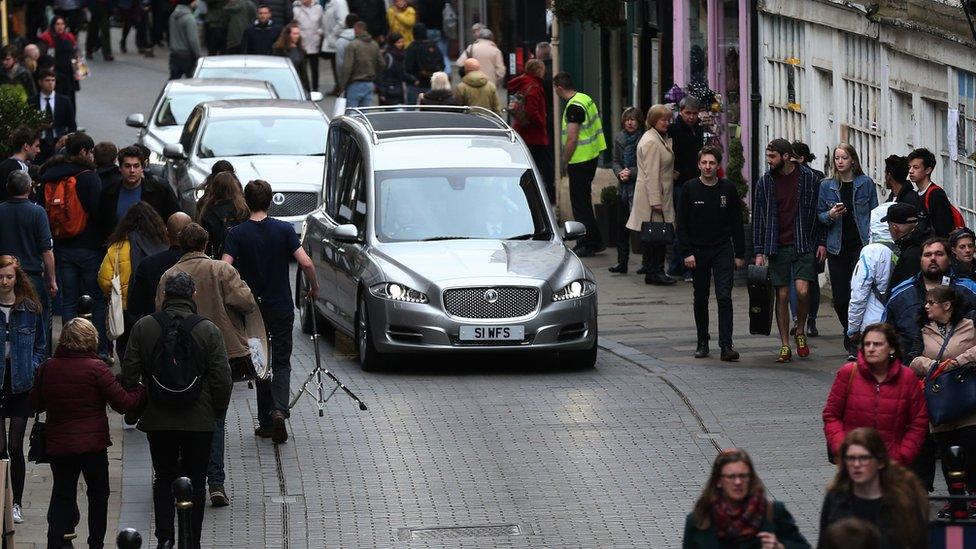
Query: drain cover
point(454, 532)
point(284, 499)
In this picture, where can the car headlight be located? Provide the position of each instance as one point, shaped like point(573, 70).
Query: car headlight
point(397, 292)
point(575, 290)
point(156, 158)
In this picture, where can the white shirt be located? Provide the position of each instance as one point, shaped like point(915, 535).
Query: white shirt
point(44, 99)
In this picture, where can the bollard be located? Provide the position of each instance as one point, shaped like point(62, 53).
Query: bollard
point(85, 306)
point(128, 539)
point(955, 464)
point(183, 494)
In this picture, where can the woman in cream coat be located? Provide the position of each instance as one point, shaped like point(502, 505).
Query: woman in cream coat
point(653, 198)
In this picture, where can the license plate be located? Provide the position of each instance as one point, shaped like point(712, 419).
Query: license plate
point(492, 333)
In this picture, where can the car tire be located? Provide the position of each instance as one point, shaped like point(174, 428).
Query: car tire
point(369, 359)
point(579, 360)
point(305, 310)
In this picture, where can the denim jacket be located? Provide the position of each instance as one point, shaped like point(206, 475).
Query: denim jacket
point(26, 335)
point(865, 200)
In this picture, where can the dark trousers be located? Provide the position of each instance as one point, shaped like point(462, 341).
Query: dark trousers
point(542, 156)
point(718, 262)
point(77, 275)
point(62, 512)
point(924, 466)
point(273, 394)
point(313, 71)
point(331, 56)
point(181, 64)
point(216, 40)
point(965, 438)
point(161, 10)
point(841, 268)
point(40, 286)
point(654, 256)
point(175, 454)
point(134, 17)
point(99, 34)
point(581, 197)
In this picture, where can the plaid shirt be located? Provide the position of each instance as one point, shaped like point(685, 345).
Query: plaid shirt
point(765, 215)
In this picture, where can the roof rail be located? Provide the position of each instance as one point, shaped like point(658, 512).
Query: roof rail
point(502, 126)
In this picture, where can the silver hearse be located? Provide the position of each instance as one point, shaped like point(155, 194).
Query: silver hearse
point(435, 235)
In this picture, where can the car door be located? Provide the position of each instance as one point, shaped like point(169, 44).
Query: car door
point(322, 222)
point(178, 171)
point(352, 210)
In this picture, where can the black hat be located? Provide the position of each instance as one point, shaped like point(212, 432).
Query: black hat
point(963, 232)
point(180, 285)
point(900, 212)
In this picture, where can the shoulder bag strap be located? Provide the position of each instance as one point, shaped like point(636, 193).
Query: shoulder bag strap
point(937, 369)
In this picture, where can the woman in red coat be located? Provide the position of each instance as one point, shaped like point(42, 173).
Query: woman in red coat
point(73, 388)
point(878, 391)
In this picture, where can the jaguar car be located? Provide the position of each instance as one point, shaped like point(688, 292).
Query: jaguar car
point(435, 236)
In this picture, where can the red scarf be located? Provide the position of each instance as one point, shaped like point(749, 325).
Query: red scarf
point(739, 522)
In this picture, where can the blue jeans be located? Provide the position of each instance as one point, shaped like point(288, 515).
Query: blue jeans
point(359, 94)
point(77, 274)
point(437, 36)
point(40, 286)
point(215, 469)
point(677, 265)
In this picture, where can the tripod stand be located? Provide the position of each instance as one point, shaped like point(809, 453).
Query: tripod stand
point(320, 397)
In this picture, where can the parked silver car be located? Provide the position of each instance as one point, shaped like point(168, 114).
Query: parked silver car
point(435, 234)
point(280, 141)
point(176, 101)
point(279, 71)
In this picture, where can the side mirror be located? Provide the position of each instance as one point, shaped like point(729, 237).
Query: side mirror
point(574, 230)
point(347, 234)
point(316, 96)
point(137, 120)
point(174, 151)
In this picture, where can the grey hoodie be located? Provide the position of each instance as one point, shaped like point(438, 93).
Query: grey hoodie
point(183, 36)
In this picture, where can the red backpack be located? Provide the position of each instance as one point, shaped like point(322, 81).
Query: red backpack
point(64, 210)
point(958, 221)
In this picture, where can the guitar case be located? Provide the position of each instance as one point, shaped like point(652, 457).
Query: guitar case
point(760, 300)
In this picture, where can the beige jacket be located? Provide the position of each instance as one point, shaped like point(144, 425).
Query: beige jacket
point(655, 175)
point(962, 347)
point(476, 91)
point(222, 297)
point(489, 56)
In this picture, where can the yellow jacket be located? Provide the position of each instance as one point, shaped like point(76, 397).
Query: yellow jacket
point(402, 22)
point(107, 271)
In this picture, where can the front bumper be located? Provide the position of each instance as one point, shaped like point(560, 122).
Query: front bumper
point(425, 327)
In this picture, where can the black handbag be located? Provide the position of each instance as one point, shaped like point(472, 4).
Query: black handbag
point(37, 453)
point(657, 233)
point(951, 394)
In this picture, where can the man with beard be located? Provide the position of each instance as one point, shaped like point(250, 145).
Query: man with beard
point(908, 298)
point(785, 234)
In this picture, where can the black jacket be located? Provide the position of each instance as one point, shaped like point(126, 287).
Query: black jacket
point(686, 141)
point(156, 194)
point(909, 254)
point(908, 195)
point(938, 212)
point(89, 188)
point(145, 280)
point(64, 114)
point(840, 505)
point(260, 39)
point(373, 12)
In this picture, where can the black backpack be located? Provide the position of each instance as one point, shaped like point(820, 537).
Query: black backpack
point(430, 60)
point(176, 367)
point(217, 222)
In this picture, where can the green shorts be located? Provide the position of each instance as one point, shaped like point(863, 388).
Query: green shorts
point(786, 264)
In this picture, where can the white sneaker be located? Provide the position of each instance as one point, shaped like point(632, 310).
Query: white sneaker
point(18, 515)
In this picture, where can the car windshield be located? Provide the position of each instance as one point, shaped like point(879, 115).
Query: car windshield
point(290, 136)
point(449, 204)
point(283, 79)
point(177, 106)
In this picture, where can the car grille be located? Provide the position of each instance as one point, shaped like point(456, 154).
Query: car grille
point(294, 204)
point(471, 302)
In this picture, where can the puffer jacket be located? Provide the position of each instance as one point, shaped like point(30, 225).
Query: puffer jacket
point(894, 407)
point(872, 275)
point(961, 346)
point(222, 297)
point(122, 251)
point(907, 299)
point(73, 388)
point(532, 127)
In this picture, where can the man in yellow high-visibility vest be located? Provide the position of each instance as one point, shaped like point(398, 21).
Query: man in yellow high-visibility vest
point(583, 141)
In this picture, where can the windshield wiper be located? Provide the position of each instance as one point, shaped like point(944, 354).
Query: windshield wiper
point(435, 238)
point(529, 236)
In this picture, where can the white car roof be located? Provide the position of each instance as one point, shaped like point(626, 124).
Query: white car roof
point(248, 61)
point(454, 151)
point(262, 108)
point(217, 84)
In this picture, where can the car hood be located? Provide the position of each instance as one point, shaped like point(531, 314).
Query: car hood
point(447, 260)
point(305, 170)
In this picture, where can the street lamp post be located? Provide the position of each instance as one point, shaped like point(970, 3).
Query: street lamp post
point(3, 22)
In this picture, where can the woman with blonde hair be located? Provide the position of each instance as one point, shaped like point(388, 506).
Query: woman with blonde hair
point(733, 510)
point(871, 487)
point(73, 388)
point(23, 329)
point(440, 91)
point(653, 196)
